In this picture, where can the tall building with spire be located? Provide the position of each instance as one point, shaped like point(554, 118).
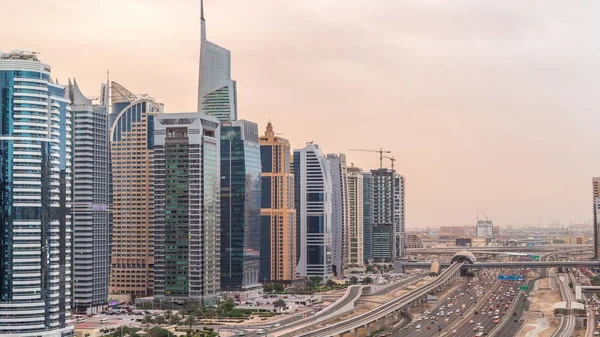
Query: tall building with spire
point(278, 215)
point(217, 94)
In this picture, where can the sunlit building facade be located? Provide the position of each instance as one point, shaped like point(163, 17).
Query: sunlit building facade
point(131, 155)
point(35, 200)
point(368, 209)
point(278, 215)
point(340, 214)
point(355, 216)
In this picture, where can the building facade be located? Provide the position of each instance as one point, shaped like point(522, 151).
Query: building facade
point(340, 213)
point(91, 188)
point(312, 197)
point(217, 93)
point(596, 203)
point(368, 209)
point(485, 229)
point(240, 206)
point(355, 216)
point(186, 207)
point(35, 200)
point(278, 215)
point(131, 155)
point(454, 230)
point(383, 242)
point(388, 209)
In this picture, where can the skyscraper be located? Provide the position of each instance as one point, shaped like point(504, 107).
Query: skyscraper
point(312, 196)
point(368, 208)
point(596, 196)
point(91, 200)
point(278, 215)
point(217, 94)
point(388, 187)
point(35, 200)
point(186, 207)
point(355, 216)
point(339, 216)
point(240, 206)
point(131, 150)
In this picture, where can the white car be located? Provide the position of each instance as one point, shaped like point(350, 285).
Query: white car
point(418, 326)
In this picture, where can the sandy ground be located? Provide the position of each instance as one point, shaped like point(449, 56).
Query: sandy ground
point(543, 297)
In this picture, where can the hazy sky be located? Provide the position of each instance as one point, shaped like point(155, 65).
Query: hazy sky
point(486, 104)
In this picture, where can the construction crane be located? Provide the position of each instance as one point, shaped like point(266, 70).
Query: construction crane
point(380, 151)
point(392, 159)
point(482, 212)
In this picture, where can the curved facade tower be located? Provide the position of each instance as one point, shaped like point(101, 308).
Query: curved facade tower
point(312, 188)
point(35, 200)
point(217, 95)
point(131, 151)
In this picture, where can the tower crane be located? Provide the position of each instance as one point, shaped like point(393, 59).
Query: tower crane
point(381, 151)
point(392, 159)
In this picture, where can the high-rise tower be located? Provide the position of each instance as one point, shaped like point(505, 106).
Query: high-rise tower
point(339, 216)
point(278, 215)
point(596, 196)
point(186, 207)
point(240, 206)
point(312, 188)
point(91, 183)
point(355, 216)
point(217, 95)
point(131, 150)
point(35, 200)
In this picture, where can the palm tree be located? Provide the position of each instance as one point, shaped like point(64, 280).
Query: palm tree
point(148, 319)
point(168, 313)
point(175, 319)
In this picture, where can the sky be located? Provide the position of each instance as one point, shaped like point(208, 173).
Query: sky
point(485, 104)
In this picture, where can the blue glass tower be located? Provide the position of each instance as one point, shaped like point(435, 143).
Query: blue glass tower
point(240, 206)
point(35, 200)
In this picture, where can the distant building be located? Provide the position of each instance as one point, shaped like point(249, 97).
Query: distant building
point(485, 229)
point(278, 215)
point(388, 200)
point(186, 200)
point(463, 242)
point(340, 215)
point(368, 209)
point(413, 241)
point(596, 201)
point(356, 215)
point(312, 186)
point(454, 230)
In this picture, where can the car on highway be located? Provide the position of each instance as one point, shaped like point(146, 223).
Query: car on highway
point(471, 321)
point(261, 331)
point(418, 326)
point(241, 333)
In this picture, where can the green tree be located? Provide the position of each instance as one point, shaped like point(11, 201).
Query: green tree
point(175, 319)
point(148, 319)
point(159, 332)
point(316, 279)
point(168, 313)
point(268, 287)
point(227, 305)
point(331, 283)
point(353, 280)
point(278, 287)
point(190, 320)
point(279, 303)
point(160, 320)
point(368, 280)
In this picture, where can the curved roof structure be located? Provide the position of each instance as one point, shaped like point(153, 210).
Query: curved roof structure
point(435, 268)
point(464, 256)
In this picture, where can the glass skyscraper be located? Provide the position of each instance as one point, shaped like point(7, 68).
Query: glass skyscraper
point(35, 200)
point(186, 207)
point(91, 218)
point(368, 208)
point(217, 93)
point(240, 206)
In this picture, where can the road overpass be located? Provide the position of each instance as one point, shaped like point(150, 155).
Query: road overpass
point(514, 265)
point(379, 317)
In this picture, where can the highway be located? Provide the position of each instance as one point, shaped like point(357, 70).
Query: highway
point(566, 327)
point(484, 282)
point(497, 301)
point(515, 322)
point(384, 309)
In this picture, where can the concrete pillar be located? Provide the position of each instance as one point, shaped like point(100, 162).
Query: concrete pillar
point(368, 329)
point(387, 320)
point(356, 332)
